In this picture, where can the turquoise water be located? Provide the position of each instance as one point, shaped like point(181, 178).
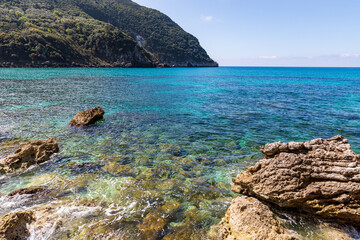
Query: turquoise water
point(169, 135)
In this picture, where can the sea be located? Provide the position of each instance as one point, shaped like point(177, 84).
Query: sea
point(161, 161)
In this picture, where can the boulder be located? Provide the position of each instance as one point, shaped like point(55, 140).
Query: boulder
point(251, 219)
point(248, 219)
point(320, 177)
point(34, 152)
point(87, 117)
point(13, 225)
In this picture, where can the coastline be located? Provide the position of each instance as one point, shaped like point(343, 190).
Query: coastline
point(11, 65)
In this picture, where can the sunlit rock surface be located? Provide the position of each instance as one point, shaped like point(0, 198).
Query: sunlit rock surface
point(300, 190)
point(13, 225)
point(319, 176)
point(248, 219)
point(87, 117)
point(34, 152)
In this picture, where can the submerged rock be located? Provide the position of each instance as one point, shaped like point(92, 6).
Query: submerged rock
point(87, 117)
point(34, 152)
point(321, 177)
point(117, 169)
point(154, 223)
point(28, 191)
point(13, 225)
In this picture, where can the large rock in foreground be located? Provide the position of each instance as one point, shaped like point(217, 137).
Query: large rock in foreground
point(319, 176)
point(250, 219)
point(247, 219)
point(87, 117)
point(34, 152)
point(13, 225)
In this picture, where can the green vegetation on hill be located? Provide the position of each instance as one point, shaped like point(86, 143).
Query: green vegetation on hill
point(93, 33)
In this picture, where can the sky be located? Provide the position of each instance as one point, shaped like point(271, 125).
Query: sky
point(323, 33)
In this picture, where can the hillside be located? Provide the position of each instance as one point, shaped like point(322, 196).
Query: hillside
point(95, 33)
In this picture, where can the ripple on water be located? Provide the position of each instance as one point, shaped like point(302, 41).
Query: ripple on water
point(170, 137)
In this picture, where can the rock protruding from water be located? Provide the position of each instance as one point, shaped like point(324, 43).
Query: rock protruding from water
point(34, 152)
point(321, 177)
point(247, 219)
point(87, 117)
point(297, 187)
point(13, 225)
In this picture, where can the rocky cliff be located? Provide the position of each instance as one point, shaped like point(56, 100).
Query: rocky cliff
point(79, 33)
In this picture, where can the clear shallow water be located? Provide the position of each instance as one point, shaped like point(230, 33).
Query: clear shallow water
point(170, 136)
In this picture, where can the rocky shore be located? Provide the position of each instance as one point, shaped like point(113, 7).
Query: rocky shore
point(316, 181)
point(49, 64)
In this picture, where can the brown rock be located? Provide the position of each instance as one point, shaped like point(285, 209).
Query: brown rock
point(249, 219)
point(319, 176)
point(156, 221)
point(87, 117)
point(34, 152)
point(13, 225)
point(152, 226)
point(31, 190)
point(117, 169)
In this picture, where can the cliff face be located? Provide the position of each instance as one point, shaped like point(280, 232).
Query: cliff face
point(116, 33)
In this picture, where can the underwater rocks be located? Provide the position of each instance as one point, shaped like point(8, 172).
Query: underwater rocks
point(14, 225)
point(34, 152)
point(87, 117)
point(321, 177)
point(28, 191)
point(154, 223)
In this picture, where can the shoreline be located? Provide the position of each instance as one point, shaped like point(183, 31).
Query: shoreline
point(129, 65)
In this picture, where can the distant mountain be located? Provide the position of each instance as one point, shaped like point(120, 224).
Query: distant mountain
point(98, 33)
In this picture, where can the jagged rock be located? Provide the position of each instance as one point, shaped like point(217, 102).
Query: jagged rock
point(34, 152)
point(319, 176)
point(87, 117)
point(13, 225)
point(248, 219)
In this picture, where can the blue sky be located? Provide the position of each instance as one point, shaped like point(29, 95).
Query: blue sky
point(271, 32)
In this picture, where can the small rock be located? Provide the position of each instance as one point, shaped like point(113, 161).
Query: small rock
point(87, 117)
point(31, 190)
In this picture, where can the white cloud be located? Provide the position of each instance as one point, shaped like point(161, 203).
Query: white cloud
point(268, 57)
point(207, 18)
point(348, 55)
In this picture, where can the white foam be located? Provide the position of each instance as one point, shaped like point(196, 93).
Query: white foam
point(64, 214)
point(17, 202)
